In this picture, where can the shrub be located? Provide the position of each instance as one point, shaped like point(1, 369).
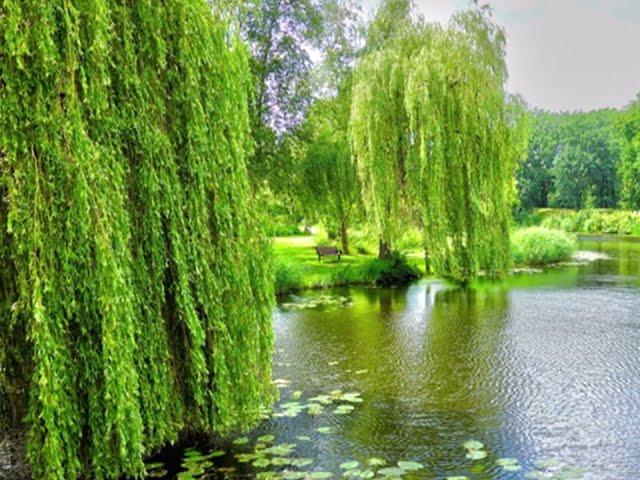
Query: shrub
point(395, 270)
point(537, 246)
point(284, 230)
point(288, 277)
point(619, 222)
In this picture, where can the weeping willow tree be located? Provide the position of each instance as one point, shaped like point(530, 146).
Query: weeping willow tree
point(434, 132)
point(135, 283)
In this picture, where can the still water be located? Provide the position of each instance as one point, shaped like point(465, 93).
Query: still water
point(543, 368)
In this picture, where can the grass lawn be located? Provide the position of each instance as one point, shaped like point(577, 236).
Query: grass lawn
point(300, 250)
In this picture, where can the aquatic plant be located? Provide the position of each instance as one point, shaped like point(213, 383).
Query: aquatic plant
point(135, 282)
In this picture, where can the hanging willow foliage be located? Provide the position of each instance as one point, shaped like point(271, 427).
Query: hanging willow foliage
point(136, 284)
point(433, 131)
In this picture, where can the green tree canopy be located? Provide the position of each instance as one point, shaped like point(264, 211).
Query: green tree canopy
point(629, 168)
point(135, 282)
point(432, 129)
point(328, 182)
point(573, 161)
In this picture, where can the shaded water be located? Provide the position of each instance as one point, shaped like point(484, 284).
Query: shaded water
point(544, 368)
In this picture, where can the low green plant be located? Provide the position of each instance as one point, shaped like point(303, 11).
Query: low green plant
point(395, 270)
point(288, 277)
point(618, 222)
point(536, 246)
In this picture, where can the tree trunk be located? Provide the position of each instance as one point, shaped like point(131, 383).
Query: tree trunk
point(344, 236)
point(384, 250)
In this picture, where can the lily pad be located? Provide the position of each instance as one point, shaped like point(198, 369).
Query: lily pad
point(192, 452)
point(301, 462)
point(349, 465)
point(343, 410)
point(291, 475)
point(476, 454)
point(409, 466)
point(241, 441)
point(392, 472)
point(304, 438)
point(281, 461)
point(267, 475)
point(320, 475)
point(315, 409)
point(503, 462)
point(266, 438)
point(324, 430)
point(351, 473)
point(459, 477)
point(351, 397)
point(157, 473)
point(280, 450)
point(473, 445)
point(262, 463)
point(296, 395)
point(376, 462)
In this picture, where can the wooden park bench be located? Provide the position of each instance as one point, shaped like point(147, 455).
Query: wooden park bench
point(328, 252)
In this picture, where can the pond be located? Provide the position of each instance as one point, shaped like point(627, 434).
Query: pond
point(534, 377)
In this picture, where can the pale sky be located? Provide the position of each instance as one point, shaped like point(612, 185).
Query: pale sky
point(563, 55)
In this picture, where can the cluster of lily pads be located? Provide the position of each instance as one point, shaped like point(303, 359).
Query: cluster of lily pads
point(277, 461)
point(310, 303)
point(196, 463)
point(266, 455)
point(343, 404)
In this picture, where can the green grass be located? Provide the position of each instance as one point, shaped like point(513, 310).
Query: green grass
point(297, 266)
point(537, 246)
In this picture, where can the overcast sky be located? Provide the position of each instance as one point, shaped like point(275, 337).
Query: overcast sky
point(563, 55)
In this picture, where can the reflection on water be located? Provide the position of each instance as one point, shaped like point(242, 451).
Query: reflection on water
point(544, 368)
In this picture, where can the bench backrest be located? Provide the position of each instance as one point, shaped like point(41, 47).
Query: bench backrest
point(327, 250)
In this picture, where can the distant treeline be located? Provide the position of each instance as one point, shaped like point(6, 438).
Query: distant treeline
point(582, 160)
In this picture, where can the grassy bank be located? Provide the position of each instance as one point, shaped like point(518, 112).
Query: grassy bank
point(617, 222)
point(297, 266)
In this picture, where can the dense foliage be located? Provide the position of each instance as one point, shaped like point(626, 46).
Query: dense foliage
point(135, 283)
point(620, 222)
point(328, 183)
point(572, 161)
point(536, 246)
point(629, 168)
point(424, 152)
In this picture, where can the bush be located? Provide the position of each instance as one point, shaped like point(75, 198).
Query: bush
point(283, 230)
point(395, 270)
point(288, 277)
point(618, 222)
point(536, 246)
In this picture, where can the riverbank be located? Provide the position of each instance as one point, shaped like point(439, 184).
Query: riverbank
point(298, 268)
